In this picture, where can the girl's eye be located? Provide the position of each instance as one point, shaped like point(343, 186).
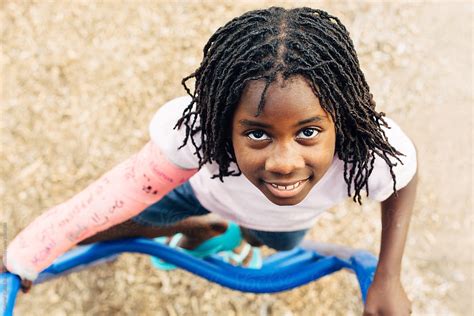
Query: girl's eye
point(308, 133)
point(257, 135)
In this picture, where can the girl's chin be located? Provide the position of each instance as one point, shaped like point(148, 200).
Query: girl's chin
point(285, 201)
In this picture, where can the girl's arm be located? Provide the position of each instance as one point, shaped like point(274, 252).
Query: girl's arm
point(118, 195)
point(386, 296)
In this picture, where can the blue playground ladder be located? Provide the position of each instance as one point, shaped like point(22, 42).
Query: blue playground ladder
point(281, 271)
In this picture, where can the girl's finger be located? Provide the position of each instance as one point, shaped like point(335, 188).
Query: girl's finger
point(26, 285)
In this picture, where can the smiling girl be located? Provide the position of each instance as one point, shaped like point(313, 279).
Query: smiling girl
point(280, 127)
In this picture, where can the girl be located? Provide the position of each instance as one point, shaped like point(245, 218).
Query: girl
point(280, 116)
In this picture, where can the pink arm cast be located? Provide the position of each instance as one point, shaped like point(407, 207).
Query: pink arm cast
point(118, 195)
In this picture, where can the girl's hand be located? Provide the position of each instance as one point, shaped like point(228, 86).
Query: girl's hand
point(387, 298)
point(25, 284)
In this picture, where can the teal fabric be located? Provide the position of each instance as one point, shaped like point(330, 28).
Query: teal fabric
point(226, 241)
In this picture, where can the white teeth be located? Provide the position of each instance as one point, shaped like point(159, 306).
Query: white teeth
point(287, 187)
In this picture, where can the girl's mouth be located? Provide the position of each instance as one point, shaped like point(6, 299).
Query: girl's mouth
point(286, 190)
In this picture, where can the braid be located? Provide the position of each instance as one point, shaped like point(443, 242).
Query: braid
point(261, 44)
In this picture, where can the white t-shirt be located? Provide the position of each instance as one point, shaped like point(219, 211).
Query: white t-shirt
point(237, 199)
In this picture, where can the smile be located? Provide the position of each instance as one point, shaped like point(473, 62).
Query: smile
point(286, 190)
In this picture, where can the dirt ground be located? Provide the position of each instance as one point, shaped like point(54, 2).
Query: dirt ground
point(81, 80)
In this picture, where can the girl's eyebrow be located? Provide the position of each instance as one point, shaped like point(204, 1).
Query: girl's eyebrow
point(250, 123)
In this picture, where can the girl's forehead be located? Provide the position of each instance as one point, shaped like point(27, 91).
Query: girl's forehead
point(293, 98)
point(295, 89)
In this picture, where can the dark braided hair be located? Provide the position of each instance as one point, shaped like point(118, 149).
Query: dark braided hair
point(264, 44)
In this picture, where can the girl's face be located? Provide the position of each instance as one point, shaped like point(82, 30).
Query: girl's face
point(288, 148)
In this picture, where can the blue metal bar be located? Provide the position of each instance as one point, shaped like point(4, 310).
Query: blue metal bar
point(9, 287)
point(280, 272)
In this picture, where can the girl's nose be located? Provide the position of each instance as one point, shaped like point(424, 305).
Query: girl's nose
point(284, 161)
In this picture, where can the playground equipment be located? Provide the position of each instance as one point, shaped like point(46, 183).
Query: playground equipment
point(281, 271)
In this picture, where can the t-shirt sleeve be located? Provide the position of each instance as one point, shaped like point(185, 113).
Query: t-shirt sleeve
point(168, 139)
point(380, 181)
